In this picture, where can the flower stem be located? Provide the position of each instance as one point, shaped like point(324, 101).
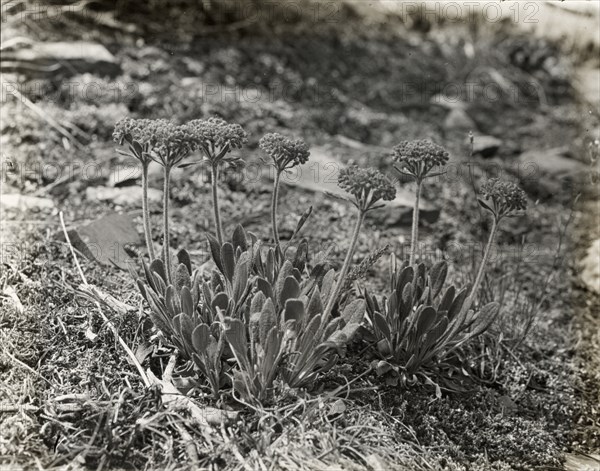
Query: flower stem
point(345, 268)
point(415, 225)
point(146, 212)
point(215, 198)
point(166, 242)
point(481, 270)
point(274, 201)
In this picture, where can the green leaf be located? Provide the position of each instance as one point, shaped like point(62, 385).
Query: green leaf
point(354, 312)
point(236, 336)
point(426, 320)
point(215, 250)
point(327, 285)
point(268, 320)
point(384, 348)
point(157, 266)
point(187, 328)
point(182, 277)
point(240, 278)
point(285, 271)
point(333, 326)
point(184, 257)
point(294, 311)
point(239, 238)
point(383, 367)
point(228, 260)
point(265, 287)
point(221, 301)
point(484, 205)
point(403, 172)
point(380, 323)
point(447, 299)
point(187, 303)
point(137, 148)
point(407, 294)
point(406, 276)
point(437, 277)
point(302, 221)
point(142, 289)
point(315, 305)
point(200, 338)
point(290, 290)
point(257, 303)
point(457, 304)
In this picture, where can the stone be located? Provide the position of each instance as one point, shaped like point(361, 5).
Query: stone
point(125, 174)
point(105, 239)
point(25, 202)
point(127, 196)
point(591, 267)
point(485, 146)
point(62, 57)
point(548, 172)
point(577, 462)
point(450, 103)
point(459, 120)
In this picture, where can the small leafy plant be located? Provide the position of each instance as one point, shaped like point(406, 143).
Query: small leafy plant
point(260, 317)
point(417, 328)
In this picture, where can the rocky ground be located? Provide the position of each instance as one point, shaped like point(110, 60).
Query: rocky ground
point(68, 395)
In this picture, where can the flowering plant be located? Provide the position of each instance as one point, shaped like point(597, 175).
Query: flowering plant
point(504, 199)
point(216, 137)
point(417, 159)
point(286, 154)
point(368, 187)
point(262, 316)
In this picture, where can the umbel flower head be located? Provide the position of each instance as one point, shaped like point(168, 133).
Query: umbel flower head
point(216, 137)
point(172, 143)
point(418, 158)
point(367, 185)
point(286, 153)
point(504, 197)
point(140, 134)
point(157, 139)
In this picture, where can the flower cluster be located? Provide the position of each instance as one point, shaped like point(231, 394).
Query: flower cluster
point(138, 130)
point(172, 142)
point(367, 185)
point(418, 158)
point(216, 137)
point(286, 153)
point(505, 196)
point(158, 139)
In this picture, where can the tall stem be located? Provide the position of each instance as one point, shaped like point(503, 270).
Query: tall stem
point(146, 212)
point(215, 198)
point(415, 225)
point(274, 201)
point(166, 241)
point(481, 270)
point(345, 268)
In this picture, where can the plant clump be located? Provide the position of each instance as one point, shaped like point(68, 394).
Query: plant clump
point(261, 318)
